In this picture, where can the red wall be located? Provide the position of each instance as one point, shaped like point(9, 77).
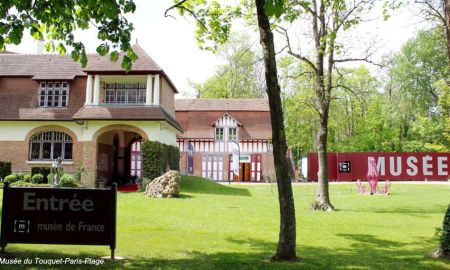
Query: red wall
point(392, 166)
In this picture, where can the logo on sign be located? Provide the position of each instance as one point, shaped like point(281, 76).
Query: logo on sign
point(345, 166)
point(21, 226)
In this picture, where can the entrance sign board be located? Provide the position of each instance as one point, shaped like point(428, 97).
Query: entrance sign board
point(390, 166)
point(77, 216)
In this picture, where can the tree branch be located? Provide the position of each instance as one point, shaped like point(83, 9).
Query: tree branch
point(430, 6)
point(358, 59)
point(296, 55)
point(179, 5)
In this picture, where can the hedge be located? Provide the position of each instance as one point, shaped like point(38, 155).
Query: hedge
point(158, 158)
point(445, 237)
point(174, 157)
point(27, 184)
point(5, 168)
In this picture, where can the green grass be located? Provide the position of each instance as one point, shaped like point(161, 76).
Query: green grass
point(214, 226)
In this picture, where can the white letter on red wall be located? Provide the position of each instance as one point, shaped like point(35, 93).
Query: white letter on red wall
point(411, 162)
point(392, 168)
point(427, 166)
point(441, 166)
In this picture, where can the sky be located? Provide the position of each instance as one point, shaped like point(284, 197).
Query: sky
point(171, 42)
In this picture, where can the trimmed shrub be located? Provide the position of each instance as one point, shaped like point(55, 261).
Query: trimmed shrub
point(20, 175)
point(27, 184)
point(445, 236)
point(152, 159)
point(38, 179)
point(174, 157)
point(40, 170)
point(68, 180)
point(158, 158)
point(12, 178)
point(5, 168)
point(27, 178)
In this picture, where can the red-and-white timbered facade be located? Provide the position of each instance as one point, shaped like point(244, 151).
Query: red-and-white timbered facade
point(210, 126)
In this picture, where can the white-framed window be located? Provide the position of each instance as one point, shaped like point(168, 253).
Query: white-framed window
point(218, 135)
point(232, 134)
point(53, 94)
point(125, 93)
point(49, 145)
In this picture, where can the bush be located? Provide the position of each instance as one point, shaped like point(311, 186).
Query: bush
point(5, 169)
point(27, 184)
point(12, 178)
point(152, 159)
point(40, 170)
point(38, 179)
point(20, 176)
point(445, 237)
point(27, 178)
point(174, 157)
point(158, 158)
point(68, 180)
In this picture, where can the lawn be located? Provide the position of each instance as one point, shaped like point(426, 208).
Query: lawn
point(214, 226)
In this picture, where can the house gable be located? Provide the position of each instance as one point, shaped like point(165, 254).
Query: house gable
point(226, 120)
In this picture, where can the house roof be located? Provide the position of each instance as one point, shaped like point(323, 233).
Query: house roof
point(225, 105)
point(196, 116)
point(126, 113)
point(40, 66)
point(62, 67)
point(144, 62)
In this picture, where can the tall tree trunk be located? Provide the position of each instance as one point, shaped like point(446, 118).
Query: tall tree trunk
point(323, 195)
point(323, 89)
point(287, 237)
point(446, 6)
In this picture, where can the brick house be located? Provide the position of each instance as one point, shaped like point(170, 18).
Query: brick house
point(93, 117)
point(210, 125)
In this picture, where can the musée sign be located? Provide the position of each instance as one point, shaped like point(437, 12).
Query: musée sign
point(390, 166)
point(76, 216)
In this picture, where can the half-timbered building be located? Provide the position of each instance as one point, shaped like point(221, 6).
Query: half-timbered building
point(211, 125)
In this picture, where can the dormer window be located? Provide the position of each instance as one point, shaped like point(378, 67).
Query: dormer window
point(219, 134)
point(226, 128)
point(232, 134)
point(53, 94)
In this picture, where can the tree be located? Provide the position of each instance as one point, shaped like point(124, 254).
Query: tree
point(287, 237)
point(56, 21)
point(328, 20)
point(214, 23)
point(418, 90)
point(438, 11)
point(239, 77)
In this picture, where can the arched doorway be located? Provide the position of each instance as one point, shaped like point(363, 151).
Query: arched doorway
point(118, 155)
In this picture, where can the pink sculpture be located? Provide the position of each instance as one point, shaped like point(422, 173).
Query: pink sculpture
point(372, 177)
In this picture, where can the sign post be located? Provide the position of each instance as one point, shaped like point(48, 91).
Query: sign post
point(67, 216)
